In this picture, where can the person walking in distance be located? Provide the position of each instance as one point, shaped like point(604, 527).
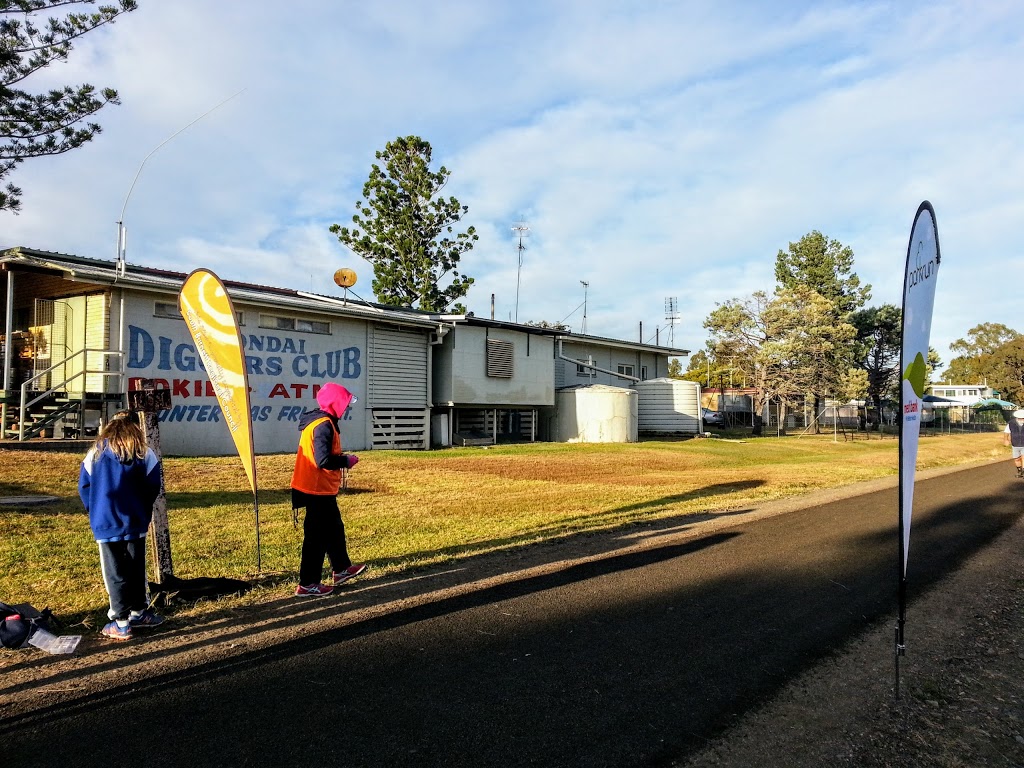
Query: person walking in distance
point(1013, 436)
point(316, 481)
point(118, 482)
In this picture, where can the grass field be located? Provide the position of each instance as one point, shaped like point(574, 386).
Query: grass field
point(404, 510)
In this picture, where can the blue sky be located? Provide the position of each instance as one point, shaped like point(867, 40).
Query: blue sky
point(657, 150)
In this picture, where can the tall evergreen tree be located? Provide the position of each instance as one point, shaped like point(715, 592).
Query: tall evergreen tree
point(51, 123)
point(826, 267)
point(404, 228)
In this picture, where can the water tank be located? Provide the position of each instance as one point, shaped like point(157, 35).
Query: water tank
point(669, 406)
point(596, 414)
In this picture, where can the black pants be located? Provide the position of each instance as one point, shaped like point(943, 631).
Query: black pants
point(323, 534)
point(124, 575)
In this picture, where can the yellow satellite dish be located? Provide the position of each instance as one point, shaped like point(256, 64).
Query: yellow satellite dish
point(345, 278)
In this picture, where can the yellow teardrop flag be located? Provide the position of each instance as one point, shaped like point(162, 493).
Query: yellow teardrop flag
point(210, 316)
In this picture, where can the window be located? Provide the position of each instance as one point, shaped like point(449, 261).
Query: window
point(643, 373)
point(582, 370)
point(500, 358)
point(166, 309)
point(625, 370)
point(281, 323)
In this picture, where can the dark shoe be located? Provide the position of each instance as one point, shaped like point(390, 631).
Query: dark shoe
point(314, 590)
point(146, 619)
point(340, 577)
point(115, 632)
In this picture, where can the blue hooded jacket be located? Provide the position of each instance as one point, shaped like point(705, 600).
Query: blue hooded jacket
point(119, 497)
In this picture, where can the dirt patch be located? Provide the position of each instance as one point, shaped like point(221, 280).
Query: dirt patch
point(961, 699)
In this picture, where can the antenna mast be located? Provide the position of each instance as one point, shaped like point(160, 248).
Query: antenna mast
point(585, 285)
point(671, 314)
point(522, 230)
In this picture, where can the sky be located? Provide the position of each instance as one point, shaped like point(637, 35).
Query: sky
point(657, 151)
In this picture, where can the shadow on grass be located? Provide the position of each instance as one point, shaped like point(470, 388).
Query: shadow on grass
point(630, 518)
point(293, 610)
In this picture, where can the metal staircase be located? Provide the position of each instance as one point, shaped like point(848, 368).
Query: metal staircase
point(79, 383)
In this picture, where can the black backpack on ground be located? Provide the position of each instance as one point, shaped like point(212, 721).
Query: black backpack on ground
point(17, 623)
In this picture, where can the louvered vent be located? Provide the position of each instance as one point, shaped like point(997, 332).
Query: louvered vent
point(499, 358)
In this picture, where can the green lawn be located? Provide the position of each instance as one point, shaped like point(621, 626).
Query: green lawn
point(405, 509)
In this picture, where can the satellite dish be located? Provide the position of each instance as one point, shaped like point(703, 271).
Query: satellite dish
point(345, 278)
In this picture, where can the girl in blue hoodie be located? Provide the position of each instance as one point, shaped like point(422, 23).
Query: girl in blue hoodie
point(118, 483)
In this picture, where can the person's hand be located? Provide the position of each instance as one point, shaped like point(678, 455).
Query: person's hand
point(352, 460)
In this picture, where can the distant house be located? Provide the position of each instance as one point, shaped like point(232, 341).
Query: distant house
point(960, 394)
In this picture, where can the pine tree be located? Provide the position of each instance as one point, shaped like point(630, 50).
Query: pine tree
point(404, 228)
point(55, 122)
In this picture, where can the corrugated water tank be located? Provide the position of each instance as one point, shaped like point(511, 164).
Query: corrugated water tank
point(669, 405)
point(596, 414)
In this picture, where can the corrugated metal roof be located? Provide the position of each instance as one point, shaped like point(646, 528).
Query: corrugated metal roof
point(104, 272)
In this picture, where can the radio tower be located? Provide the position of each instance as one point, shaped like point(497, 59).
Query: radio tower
point(522, 231)
point(671, 314)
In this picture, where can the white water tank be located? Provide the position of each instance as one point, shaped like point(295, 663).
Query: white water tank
point(669, 406)
point(596, 414)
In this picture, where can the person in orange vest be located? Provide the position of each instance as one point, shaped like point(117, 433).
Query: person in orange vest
point(316, 481)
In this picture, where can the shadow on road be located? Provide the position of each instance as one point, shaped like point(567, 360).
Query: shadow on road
point(630, 658)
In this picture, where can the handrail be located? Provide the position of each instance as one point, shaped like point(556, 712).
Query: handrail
point(25, 402)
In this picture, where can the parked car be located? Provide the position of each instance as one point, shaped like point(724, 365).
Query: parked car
point(713, 418)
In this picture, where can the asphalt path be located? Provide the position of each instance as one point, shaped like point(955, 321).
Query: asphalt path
point(629, 659)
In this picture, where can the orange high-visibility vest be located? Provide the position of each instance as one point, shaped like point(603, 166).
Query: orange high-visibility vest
point(308, 477)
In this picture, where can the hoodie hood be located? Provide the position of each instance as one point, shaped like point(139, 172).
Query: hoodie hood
point(334, 399)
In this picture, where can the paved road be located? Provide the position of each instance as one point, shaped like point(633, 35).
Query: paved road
point(633, 659)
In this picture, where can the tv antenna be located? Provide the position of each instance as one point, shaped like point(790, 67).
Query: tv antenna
point(522, 230)
point(671, 314)
point(122, 234)
point(585, 285)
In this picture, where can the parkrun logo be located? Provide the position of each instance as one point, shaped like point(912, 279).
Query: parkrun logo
point(922, 272)
point(910, 407)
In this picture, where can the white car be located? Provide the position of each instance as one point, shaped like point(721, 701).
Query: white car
point(713, 418)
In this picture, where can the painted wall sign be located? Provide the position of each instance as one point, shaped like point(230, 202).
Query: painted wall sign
point(285, 370)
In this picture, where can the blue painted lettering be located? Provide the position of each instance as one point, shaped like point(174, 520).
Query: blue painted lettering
point(352, 368)
point(140, 348)
point(165, 354)
point(184, 358)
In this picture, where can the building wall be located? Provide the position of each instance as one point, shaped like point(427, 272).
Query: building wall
point(286, 368)
point(460, 369)
point(652, 364)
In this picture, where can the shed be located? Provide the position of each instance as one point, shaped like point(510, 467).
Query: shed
point(596, 414)
point(669, 405)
